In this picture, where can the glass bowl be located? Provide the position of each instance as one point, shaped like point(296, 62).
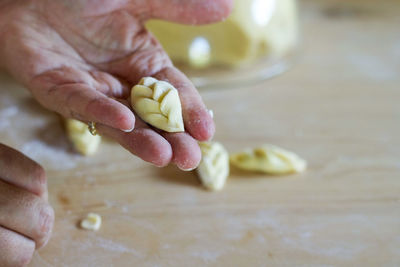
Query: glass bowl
point(256, 42)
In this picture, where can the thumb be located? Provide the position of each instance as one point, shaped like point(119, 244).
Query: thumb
point(190, 11)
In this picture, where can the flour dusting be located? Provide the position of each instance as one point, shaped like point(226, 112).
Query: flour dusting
point(52, 156)
point(207, 255)
point(110, 245)
point(6, 115)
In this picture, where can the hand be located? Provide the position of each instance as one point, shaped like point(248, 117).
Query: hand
point(26, 218)
point(80, 59)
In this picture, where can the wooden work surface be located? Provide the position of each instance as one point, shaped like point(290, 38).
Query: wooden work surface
point(339, 108)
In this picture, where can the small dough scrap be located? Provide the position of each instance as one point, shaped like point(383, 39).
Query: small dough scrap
point(269, 159)
point(213, 169)
point(83, 141)
point(91, 222)
point(157, 103)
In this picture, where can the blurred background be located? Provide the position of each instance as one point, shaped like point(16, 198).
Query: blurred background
point(256, 42)
point(262, 38)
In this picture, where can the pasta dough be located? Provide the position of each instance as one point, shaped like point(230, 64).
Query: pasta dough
point(91, 222)
point(83, 141)
point(269, 159)
point(214, 166)
point(255, 29)
point(158, 103)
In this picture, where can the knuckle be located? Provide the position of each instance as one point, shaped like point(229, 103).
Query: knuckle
point(24, 259)
point(37, 178)
point(39, 174)
point(29, 201)
point(45, 225)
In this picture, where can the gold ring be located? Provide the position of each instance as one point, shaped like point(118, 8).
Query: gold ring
point(92, 128)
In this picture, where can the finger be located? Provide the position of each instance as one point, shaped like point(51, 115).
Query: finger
point(81, 102)
point(15, 249)
point(153, 61)
point(25, 213)
point(21, 171)
point(78, 95)
point(197, 119)
point(186, 151)
point(142, 142)
point(190, 12)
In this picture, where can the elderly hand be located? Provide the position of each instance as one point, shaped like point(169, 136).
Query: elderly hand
point(80, 58)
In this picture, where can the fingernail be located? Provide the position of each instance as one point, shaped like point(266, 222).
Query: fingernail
point(211, 112)
point(130, 130)
point(160, 165)
point(187, 170)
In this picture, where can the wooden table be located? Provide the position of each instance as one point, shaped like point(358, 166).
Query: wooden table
point(339, 108)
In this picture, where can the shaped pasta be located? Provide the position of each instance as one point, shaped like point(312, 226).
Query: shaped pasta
point(213, 169)
point(83, 141)
point(158, 103)
point(269, 159)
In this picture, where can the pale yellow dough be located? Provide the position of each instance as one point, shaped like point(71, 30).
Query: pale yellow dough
point(255, 29)
point(157, 103)
point(213, 170)
point(269, 159)
point(91, 222)
point(83, 141)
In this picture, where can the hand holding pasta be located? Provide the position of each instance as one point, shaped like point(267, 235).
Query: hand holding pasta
point(157, 103)
point(79, 57)
point(269, 159)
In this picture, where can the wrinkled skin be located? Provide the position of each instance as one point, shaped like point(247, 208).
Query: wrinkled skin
point(26, 218)
point(80, 58)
